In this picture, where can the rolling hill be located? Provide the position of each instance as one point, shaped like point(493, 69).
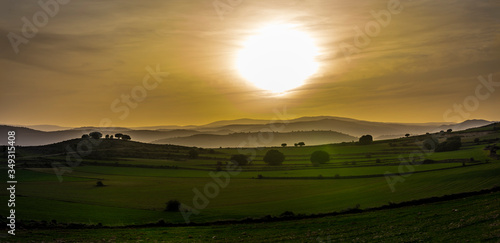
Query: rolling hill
point(256, 139)
point(207, 134)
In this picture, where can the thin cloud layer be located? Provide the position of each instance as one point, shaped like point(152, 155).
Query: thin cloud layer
point(90, 53)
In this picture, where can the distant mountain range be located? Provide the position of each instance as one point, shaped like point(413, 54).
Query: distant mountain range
point(232, 133)
point(259, 139)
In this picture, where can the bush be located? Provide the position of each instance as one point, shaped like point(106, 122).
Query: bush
point(173, 206)
point(99, 183)
point(274, 157)
point(378, 161)
point(239, 159)
point(287, 214)
point(319, 157)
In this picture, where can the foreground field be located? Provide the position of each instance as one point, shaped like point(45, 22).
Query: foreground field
point(470, 219)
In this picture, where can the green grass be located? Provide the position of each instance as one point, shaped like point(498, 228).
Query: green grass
point(134, 195)
point(472, 219)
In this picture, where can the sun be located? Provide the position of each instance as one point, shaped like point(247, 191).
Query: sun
point(278, 58)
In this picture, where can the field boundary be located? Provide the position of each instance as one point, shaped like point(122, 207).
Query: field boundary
point(360, 176)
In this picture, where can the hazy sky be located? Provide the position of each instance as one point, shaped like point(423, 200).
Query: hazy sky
point(83, 59)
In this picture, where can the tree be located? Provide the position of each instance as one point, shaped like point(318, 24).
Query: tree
point(126, 137)
point(365, 139)
point(239, 159)
point(95, 135)
point(295, 144)
point(451, 144)
point(319, 157)
point(193, 154)
point(301, 144)
point(274, 157)
point(118, 135)
point(85, 136)
point(111, 137)
point(173, 206)
point(107, 136)
point(283, 145)
point(407, 135)
point(449, 130)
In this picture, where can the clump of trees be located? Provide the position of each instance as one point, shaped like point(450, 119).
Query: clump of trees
point(319, 157)
point(451, 144)
point(95, 135)
point(240, 159)
point(274, 157)
point(98, 135)
point(299, 144)
point(122, 136)
point(365, 139)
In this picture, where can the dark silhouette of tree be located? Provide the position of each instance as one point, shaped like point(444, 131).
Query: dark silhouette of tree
point(193, 154)
point(107, 136)
point(126, 137)
point(295, 144)
point(118, 135)
point(365, 139)
point(173, 206)
point(111, 137)
point(449, 130)
point(95, 135)
point(301, 144)
point(85, 136)
point(407, 135)
point(274, 157)
point(239, 159)
point(319, 157)
point(283, 145)
point(451, 144)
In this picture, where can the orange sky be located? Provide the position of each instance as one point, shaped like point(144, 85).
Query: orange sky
point(78, 66)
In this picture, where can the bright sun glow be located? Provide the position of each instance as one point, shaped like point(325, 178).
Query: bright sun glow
point(278, 58)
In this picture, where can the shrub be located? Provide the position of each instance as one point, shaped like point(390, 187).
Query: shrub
point(274, 157)
point(173, 206)
point(99, 183)
point(287, 214)
point(319, 157)
point(239, 159)
point(378, 161)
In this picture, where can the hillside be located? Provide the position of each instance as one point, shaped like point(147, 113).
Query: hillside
point(256, 139)
point(185, 135)
point(102, 149)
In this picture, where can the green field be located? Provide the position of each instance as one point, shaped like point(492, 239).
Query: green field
point(136, 189)
point(472, 219)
